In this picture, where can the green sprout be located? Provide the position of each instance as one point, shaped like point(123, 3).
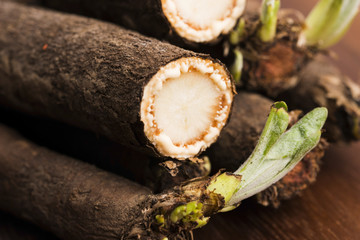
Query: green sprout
point(328, 22)
point(238, 33)
point(237, 66)
point(268, 18)
point(189, 213)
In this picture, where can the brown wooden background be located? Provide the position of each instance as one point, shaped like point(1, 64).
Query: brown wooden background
point(329, 209)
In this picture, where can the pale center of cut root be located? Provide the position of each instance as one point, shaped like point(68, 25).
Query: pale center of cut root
point(185, 105)
point(202, 13)
point(202, 20)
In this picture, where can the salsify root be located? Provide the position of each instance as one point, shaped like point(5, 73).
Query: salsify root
point(138, 91)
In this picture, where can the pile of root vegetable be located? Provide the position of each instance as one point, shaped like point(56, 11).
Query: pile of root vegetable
point(136, 129)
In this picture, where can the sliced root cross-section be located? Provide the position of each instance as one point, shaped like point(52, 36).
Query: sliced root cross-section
point(185, 105)
point(143, 93)
point(202, 20)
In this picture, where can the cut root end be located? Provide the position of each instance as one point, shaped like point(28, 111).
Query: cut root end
point(202, 20)
point(185, 105)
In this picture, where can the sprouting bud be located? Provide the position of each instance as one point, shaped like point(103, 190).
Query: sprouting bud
point(268, 17)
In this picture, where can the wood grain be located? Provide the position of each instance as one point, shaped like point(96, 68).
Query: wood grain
point(329, 209)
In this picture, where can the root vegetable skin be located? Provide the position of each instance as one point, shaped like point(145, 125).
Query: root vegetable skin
point(70, 198)
point(322, 84)
point(93, 75)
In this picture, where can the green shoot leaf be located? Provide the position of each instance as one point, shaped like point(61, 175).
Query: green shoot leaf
point(281, 157)
point(268, 17)
point(228, 184)
point(238, 33)
point(189, 213)
point(237, 66)
point(275, 126)
point(328, 22)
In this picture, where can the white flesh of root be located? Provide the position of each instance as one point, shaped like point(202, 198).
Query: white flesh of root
point(202, 20)
point(185, 105)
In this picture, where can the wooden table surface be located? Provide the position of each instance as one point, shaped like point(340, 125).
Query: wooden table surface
point(329, 209)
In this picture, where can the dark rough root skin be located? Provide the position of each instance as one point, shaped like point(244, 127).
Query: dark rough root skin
point(292, 185)
point(239, 137)
point(80, 71)
point(272, 67)
point(72, 199)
